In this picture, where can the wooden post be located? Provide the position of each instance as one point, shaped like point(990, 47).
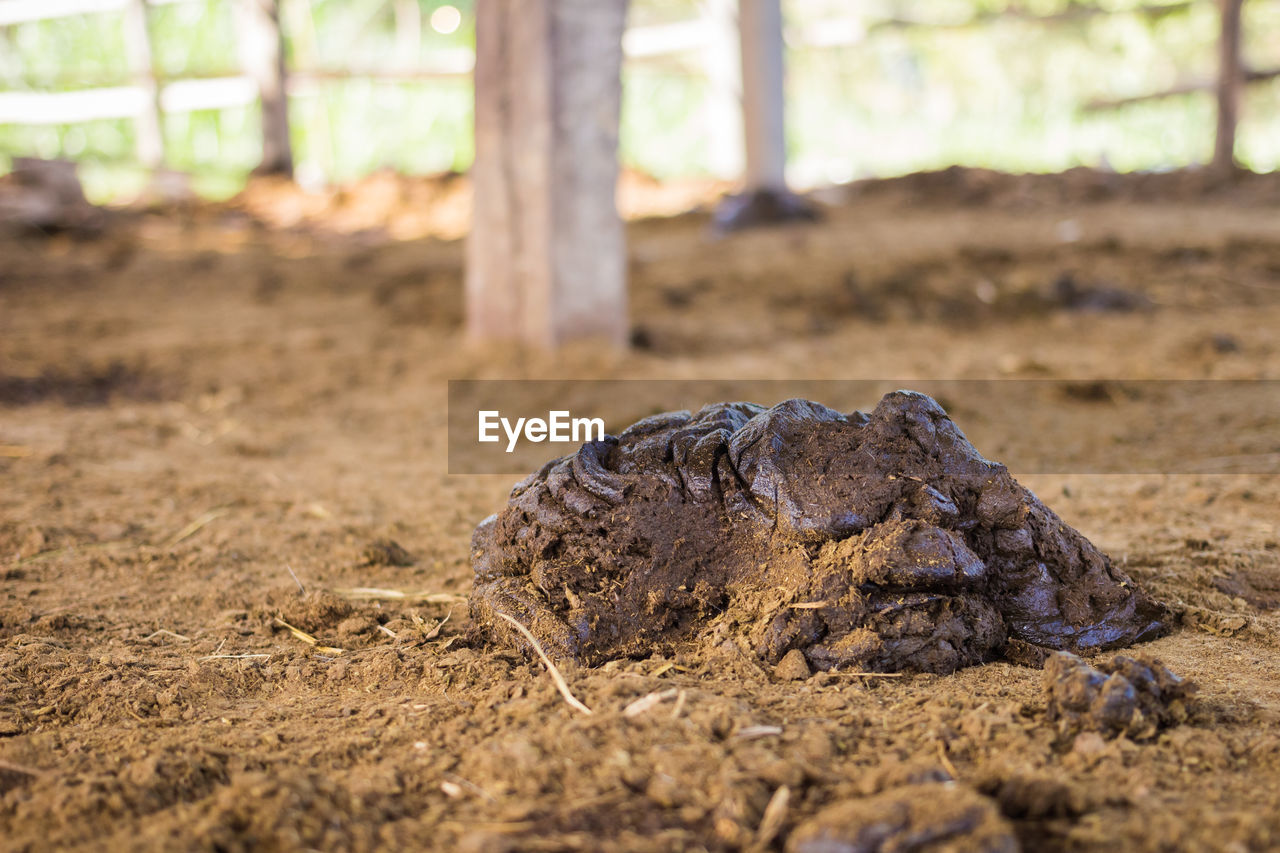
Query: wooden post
point(261, 47)
point(546, 257)
point(723, 114)
point(408, 17)
point(147, 125)
point(765, 199)
point(760, 28)
point(1230, 78)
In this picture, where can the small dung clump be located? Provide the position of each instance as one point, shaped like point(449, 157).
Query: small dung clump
point(386, 552)
point(928, 818)
point(870, 542)
point(1131, 696)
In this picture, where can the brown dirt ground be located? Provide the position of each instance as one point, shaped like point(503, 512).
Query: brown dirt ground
point(199, 400)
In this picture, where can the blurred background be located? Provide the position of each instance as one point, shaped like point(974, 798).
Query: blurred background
point(875, 88)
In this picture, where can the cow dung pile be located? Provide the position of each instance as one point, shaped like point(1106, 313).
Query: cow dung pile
point(878, 541)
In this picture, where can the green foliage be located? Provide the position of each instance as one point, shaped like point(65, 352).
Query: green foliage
point(990, 86)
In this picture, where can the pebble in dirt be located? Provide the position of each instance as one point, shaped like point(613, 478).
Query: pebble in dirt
point(878, 542)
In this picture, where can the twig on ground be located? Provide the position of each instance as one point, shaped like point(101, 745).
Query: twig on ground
point(309, 639)
point(165, 632)
point(195, 526)
point(232, 657)
point(775, 815)
point(650, 701)
point(302, 590)
point(459, 783)
point(758, 731)
point(432, 632)
point(946, 760)
point(16, 775)
point(362, 593)
point(561, 685)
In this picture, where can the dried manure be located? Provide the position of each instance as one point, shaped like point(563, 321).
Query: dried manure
point(879, 542)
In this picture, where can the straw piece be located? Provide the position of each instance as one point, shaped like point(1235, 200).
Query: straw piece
point(561, 685)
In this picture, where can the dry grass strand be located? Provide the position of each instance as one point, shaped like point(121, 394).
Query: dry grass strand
point(561, 684)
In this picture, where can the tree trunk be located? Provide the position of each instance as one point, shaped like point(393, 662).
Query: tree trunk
point(261, 46)
point(546, 259)
point(1230, 78)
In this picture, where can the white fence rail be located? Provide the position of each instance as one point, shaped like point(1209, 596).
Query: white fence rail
point(25, 11)
point(693, 39)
